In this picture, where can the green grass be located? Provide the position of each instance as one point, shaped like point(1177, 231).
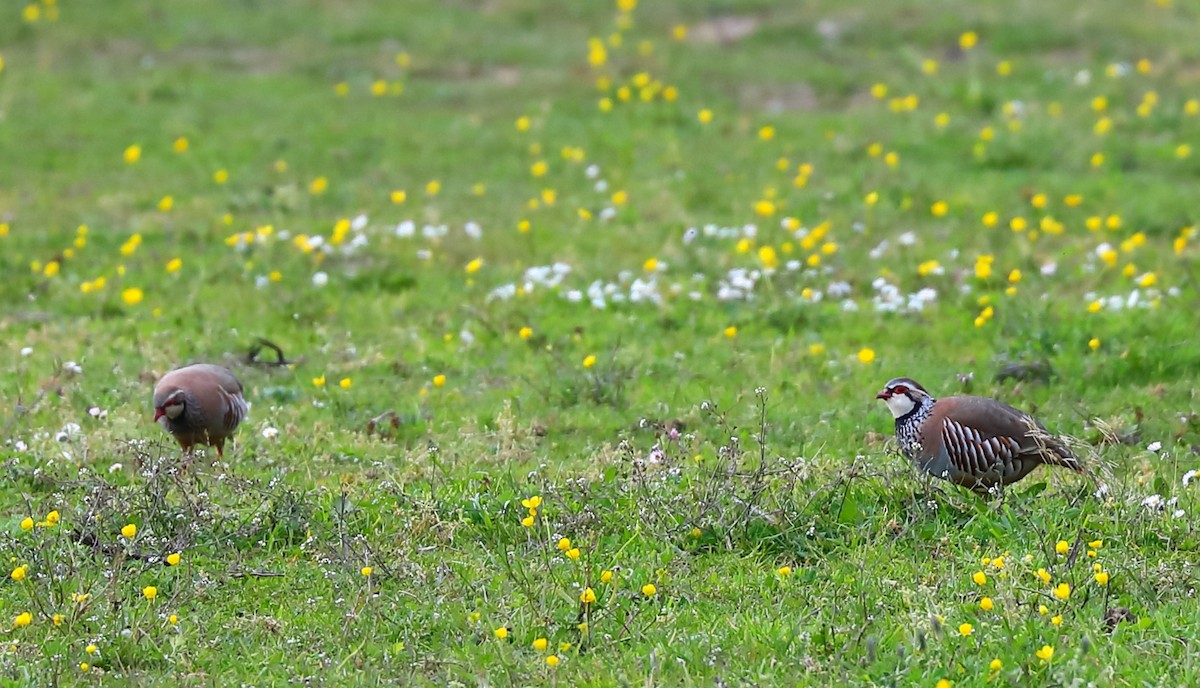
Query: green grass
point(685, 458)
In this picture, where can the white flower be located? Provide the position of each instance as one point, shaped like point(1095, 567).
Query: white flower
point(359, 222)
point(72, 367)
point(115, 467)
point(1153, 502)
point(1154, 447)
point(608, 213)
point(320, 279)
point(907, 239)
point(1049, 268)
point(97, 412)
point(601, 186)
point(473, 230)
point(466, 337)
point(261, 282)
point(406, 229)
point(690, 235)
point(592, 171)
point(1189, 476)
point(25, 351)
point(270, 432)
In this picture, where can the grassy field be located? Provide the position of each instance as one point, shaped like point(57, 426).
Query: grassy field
point(583, 307)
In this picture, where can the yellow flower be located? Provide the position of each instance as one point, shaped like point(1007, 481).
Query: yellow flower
point(439, 380)
point(532, 503)
point(18, 574)
point(1062, 547)
point(1097, 159)
point(589, 361)
point(345, 383)
point(523, 123)
point(995, 665)
point(173, 620)
point(132, 296)
point(816, 349)
point(527, 521)
point(150, 592)
point(133, 154)
point(588, 596)
point(221, 176)
point(552, 661)
point(929, 66)
point(1101, 577)
point(606, 576)
point(939, 208)
point(892, 159)
point(129, 531)
point(540, 644)
point(979, 578)
point(986, 604)
point(433, 187)
point(866, 355)
point(525, 333)
point(51, 268)
point(942, 120)
point(173, 559)
point(22, 620)
point(57, 619)
point(318, 381)
point(1093, 343)
point(1014, 276)
point(1096, 544)
point(501, 632)
point(1057, 620)
point(944, 683)
point(1046, 653)
point(649, 590)
point(573, 554)
point(27, 523)
point(174, 264)
point(968, 40)
point(83, 666)
point(784, 571)
point(1062, 591)
point(766, 133)
point(564, 544)
point(966, 629)
point(366, 571)
point(1147, 280)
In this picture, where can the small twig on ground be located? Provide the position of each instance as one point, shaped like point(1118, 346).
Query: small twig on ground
point(261, 343)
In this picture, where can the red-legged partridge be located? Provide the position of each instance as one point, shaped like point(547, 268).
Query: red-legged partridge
point(974, 442)
point(200, 404)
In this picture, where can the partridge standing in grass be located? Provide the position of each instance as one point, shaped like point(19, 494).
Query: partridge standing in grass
point(200, 404)
point(974, 442)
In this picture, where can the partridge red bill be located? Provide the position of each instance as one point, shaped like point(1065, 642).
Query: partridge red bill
point(200, 404)
point(975, 442)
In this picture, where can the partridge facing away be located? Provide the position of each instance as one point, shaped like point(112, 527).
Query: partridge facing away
point(199, 404)
point(974, 442)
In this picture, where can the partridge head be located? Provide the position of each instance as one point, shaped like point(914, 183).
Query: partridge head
point(974, 442)
point(200, 404)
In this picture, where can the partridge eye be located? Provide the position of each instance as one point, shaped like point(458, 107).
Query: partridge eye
point(899, 389)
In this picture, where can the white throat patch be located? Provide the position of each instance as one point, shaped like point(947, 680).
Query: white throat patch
point(900, 405)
